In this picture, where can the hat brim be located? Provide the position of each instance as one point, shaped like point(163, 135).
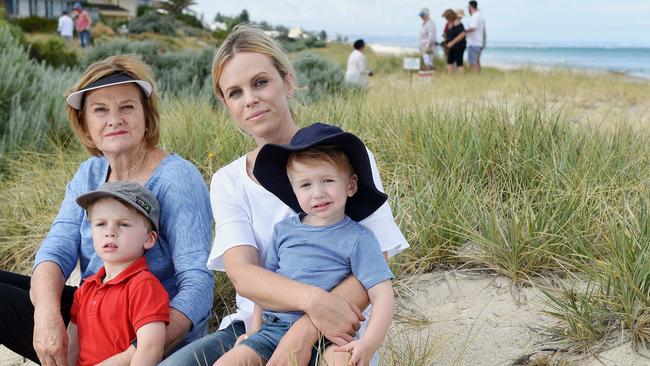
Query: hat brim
point(87, 199)
point(271, 171)
point(75, 99)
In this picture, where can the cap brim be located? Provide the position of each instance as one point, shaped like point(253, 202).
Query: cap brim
point(74, 100)
point(87, 199)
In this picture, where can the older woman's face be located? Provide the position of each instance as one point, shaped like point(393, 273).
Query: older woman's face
point(256, 95)
point(114, 118)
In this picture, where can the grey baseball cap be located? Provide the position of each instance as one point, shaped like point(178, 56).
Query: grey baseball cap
point(423, 12)
point(130, 192)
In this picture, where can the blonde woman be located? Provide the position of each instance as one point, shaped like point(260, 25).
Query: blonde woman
point(253, 77)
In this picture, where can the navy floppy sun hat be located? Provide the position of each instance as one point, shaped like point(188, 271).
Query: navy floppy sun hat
point(271, 168)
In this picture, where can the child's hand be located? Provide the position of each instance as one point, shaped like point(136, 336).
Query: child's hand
point(360, 352)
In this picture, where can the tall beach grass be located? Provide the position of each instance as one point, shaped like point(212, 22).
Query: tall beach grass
point(524, 173)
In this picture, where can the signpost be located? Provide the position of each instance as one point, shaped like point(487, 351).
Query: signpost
point(411, 64)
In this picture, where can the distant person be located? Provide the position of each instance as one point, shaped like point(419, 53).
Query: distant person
point(454, 42)
point(66, 27)
point(328, 183)
point(357, 71)
point(476, 37)
point(83, 22)
point(123, 301)
point(427, 39)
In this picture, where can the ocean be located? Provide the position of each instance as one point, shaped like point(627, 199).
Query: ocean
point(633, 61)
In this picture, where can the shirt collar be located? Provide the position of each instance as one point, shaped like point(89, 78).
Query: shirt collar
point(134, 268)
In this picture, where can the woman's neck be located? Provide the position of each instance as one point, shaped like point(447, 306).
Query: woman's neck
point(135, 166)
point(282, 137)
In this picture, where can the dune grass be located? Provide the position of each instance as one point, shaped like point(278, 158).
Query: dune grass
point(525, 173)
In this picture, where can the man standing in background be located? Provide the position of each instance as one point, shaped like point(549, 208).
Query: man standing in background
point(65, 27)
point(475, 37)
point(83, 22)
point(427, 39)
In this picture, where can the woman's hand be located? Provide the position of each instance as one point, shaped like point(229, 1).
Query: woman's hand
point(336, 318)
point(50, 337)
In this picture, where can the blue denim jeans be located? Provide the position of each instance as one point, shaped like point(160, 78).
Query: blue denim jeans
point(84, 38)
point(266, 340)
point(205, 351)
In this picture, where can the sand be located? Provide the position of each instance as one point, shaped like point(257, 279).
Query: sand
point(467, 318)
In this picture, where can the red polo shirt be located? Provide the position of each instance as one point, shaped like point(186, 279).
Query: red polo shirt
point(109, 314)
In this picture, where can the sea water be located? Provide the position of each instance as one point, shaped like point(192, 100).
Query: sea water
point(629, 60)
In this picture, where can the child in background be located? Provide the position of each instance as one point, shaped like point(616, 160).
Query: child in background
point(325, 175)
point(123, 303)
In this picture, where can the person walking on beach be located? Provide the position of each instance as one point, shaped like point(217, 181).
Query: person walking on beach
point(83, 22)
point(427, 39)
point(65, 27)
point(357, 72)
point(475, 37)
point(454, 42)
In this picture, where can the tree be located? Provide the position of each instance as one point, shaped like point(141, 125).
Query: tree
point(176, 6)
point(322, 35)
point(244, 17)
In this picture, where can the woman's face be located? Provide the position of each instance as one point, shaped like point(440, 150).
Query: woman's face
point(114, 118)
point(256, 95)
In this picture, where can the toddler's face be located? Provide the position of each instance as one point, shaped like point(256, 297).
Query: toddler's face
point(322, 191)
point(120, 235)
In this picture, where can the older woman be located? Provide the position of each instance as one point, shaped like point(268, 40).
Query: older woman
point(113, 110)
point(454, 41)
point(254, 79)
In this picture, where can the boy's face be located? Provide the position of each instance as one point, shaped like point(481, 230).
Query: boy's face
point(322, 191)
point(120, 235)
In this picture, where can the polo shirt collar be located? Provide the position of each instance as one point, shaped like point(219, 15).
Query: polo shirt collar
point(136, 267)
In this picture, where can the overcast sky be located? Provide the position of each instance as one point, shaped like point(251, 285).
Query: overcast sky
point(568, 22)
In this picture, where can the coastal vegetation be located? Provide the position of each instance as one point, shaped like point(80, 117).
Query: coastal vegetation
point(537, 175)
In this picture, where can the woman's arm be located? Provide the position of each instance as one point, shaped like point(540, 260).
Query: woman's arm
point(334, 316)
point(50, 340)
point(186, 227)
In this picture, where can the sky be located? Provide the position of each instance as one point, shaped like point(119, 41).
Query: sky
point(612, 23)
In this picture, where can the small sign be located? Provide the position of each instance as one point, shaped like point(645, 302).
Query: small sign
point(411, 63)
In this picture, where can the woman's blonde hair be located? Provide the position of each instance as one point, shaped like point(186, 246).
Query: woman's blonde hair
point(248, 38)
point(128, 64)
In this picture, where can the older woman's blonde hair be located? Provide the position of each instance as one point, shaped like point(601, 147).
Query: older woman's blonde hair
point(128, 64)
point(248, 38)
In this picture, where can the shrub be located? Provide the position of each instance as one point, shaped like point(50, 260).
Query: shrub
point(148, 49)
point(53, 52)
point(175, 71)
point(319, 75)
point(32, 109)
point(154, 23)
point(37, 24)
point(189, 19)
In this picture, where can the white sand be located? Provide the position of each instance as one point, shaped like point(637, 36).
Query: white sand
point(460, 318)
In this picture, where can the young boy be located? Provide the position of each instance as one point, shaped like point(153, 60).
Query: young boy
point(325, 175)
point(123, 301)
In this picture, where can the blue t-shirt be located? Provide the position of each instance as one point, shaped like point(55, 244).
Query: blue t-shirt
point(323, 256)
point(179, 256)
